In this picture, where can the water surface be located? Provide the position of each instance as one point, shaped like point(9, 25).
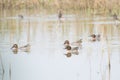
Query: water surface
point(98, 60)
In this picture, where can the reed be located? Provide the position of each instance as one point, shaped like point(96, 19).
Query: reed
point(10, 71)
point(105, 6)
point(3, 71)
point(109, 60)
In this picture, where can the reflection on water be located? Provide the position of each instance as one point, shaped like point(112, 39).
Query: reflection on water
point(46, 60)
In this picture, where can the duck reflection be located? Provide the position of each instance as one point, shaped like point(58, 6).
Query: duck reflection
point(68, 55)
point(68, 51)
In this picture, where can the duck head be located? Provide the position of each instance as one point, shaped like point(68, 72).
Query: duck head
point(93, 37)
point(68, 48)
point(15, 46)
point(66, 43)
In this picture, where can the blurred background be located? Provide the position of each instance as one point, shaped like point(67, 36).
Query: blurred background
point(45, 25)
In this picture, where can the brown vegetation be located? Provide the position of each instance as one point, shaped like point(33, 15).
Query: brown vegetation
point(104, 5)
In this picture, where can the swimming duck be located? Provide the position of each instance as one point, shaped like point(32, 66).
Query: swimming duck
point(25, 48)
point(20, 16)
point(73, 50)
point(77, 43)
point(115, 17)
point(59, 14)
point(15, 48)
point(95, 37)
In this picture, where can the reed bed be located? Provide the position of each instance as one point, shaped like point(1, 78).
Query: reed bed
point(94, 6)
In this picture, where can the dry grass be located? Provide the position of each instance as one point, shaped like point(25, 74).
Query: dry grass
point(104, 6)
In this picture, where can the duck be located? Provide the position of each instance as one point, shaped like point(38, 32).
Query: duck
point(76, 43)
point(95, 37)
point(25, 48)
point(20, 16)
point(72, 50)
point(14, 48)
point(59, 14)
point(115, 17)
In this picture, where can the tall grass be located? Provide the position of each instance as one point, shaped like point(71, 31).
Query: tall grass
point(3, 71)
point(102, 6)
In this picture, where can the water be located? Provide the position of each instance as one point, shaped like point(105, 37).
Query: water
point(98, 60)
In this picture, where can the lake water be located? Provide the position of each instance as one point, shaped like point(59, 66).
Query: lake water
point(98, 60)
